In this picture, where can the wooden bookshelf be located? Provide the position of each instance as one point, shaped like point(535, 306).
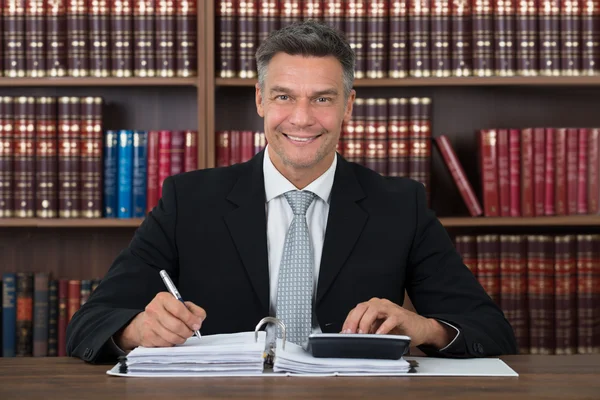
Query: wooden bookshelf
point(70, 223)
point(454, 81)
point(54, 82)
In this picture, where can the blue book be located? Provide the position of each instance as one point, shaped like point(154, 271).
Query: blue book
point(125, 174)
point(110, 174)
point(9, 314)
point(140, 155)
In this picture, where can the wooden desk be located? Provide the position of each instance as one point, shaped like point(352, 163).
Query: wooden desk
point(541, 377)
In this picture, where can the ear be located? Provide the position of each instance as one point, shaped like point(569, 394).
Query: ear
point(349, 106)
point(259, 101)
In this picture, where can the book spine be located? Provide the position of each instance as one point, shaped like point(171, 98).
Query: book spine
point(527, 40)
point(360, 130)
point(572, 162)
point(111, 163)
point(77, 38)
point(370, 135)
point(550, 37)
point(461, 38)
point(527, 172)
point(69, 157)
point(594, 171)
point(588, 293)
point(489, 172)
point(177, 152)
point(165, 39)
point(144, 50)
point(46, 159)
point(312, 9)
point(7, 147)
point(14, 38)
point(121, 38)
point(398, 39)
point(566, 294)
point(483, 31)
point(539, 159)
point(514, 144)
point(53, 318)
point(235, 146)
point(397, 136)
point(246, 145)
point(570, 32)
point(468, 251)
point(152, 175)
point(381, 136)
point(56, 38)
point(419, 38)
point(125, 174)
point(99, 26)
point(356, 11)
point(440, 39)
point(503, 173)
point(377, 39)
point(518, 317)
point(24, 294)
point(186, 38)
point(504, 37)
point(24, 157)
point(35, 57)
point(247, 39)
point(488, 265)
point(191, 151)
point(40, 314)
point(420, 142)
point(91, 157)
point(268, 18)
point(333, 13)
point(550, 173)
point(86, 290)
point(9, 314)
point(582, 171)
point(560, 167)
point(226, 44)
point(74, 298)
point(222, 156)
point(590, 37)
point(291, 11)
point(164, 157)
point(458, 175)
point(63, 297)
point(140, 156)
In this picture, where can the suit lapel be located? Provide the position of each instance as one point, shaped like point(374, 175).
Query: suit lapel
point(344, 225)
point(248, 228)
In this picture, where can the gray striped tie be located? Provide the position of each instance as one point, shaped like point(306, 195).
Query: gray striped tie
point(295, 284)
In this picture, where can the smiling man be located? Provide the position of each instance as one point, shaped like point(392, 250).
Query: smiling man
point(297, 232)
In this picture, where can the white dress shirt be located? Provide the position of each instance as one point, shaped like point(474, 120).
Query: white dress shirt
point(280, 215)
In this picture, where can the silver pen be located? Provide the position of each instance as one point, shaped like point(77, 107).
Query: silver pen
point(171, 287)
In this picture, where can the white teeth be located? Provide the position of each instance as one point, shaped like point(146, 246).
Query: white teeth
point(299, 139)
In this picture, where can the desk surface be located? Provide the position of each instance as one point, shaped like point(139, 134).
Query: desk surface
point(541, 377)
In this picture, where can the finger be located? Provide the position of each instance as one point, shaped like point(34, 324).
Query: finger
point(353, 318)
point(196, 310)
point(387, 325)
point(375, 325)
point(369, 317)
point(180, 311)
point(174, 325)
point(168, 338)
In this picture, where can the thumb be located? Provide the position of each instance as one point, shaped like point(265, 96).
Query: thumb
point(197, 311)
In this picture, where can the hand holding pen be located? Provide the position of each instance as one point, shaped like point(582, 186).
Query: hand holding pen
point(166, 321)
point(173, 290)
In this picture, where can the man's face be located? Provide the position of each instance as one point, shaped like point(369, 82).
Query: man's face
point(303, 107)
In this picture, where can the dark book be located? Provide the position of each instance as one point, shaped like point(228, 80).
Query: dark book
point(144, 49)
point(165, 38)
point(46, 158)
point(186, 38)
point(24, 157)
point(24, 294)
point(397, 131)
point(488, 265)
point(355, 29)
point(86, 291)
point(312, 9)
point(398, 39)
point(56, 38)
point(121, 38)
point(9, 314)
point(504, 37)
point(291, 11)
point(268, 18)
point(570, 37)
point(69, 157)
point(419, 142)
point(91, 157)
point(549, 37)
point(40, 314)
point(35, 55)
point(53, 318)
point(461, 38)
point(590, 38)
point(588, 294)
point(247, 39)
point(526, 40)
point(565, 293)
point(377, 39)
point(7, 146)
point(63, 320)
point(226, 39)
point(99, 29)
point(111, 165)
point(14, 38)
point(77, 38)
point(483, 40)
point(419, 38)
point(441, 65)
point(333, 13)
point(140, 156)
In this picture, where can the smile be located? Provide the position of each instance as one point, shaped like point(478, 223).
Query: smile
point(301, 139)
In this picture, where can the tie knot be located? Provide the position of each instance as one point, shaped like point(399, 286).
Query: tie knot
point(299, 200)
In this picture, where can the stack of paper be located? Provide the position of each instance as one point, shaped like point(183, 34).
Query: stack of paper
point(236, 354)
point(294, 360)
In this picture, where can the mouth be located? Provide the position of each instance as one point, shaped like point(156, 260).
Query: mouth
point(301, 139)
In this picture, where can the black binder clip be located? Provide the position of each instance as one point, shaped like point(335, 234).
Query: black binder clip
point(269, 353)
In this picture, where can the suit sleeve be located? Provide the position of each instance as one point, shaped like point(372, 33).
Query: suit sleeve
point(132, 281)
point(441, 286)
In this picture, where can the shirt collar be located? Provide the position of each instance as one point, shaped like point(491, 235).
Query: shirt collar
point(276, 184)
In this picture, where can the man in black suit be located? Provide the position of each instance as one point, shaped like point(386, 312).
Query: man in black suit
point(221, 234)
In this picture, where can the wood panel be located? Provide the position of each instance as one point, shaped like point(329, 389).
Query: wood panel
point(121, 82)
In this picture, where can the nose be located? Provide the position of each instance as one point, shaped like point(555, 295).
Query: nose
point(301, 115)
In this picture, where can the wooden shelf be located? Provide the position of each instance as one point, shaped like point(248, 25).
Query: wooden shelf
point(449, 222)
point(454, 81)
point(45, 82)
point(573, 220)
point(70, 223)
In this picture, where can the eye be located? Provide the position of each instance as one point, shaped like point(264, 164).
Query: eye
point(323, 99)
point(282, 97)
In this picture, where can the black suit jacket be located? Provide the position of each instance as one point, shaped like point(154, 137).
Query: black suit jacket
point(209, 232)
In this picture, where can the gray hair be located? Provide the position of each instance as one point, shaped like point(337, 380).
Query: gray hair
point(308, 38)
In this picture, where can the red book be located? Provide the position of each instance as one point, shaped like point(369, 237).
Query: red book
point(489, 172)
point(191, 151)
point(63, 297)
point(582, 172)
point(74, 302)
point(235, 153)
point(164, 157)
point(594, 171)
point(527, 172)
point(246, 145)
point(152, 194)
point(539, 159)
point(572, 154)
point(514, 165)
point(503, 173)
point(222, 155)
point(549, 201)
point(177, 151)
point(560, 166)
point(458, 175)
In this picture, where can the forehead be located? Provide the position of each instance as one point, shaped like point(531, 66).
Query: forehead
point(287, 69)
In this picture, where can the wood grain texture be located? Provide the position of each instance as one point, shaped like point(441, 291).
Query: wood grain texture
point(541, 377)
